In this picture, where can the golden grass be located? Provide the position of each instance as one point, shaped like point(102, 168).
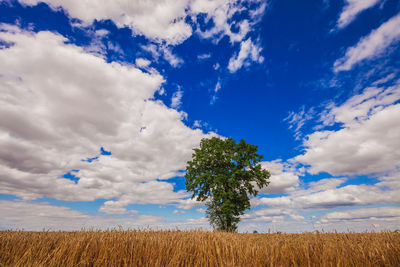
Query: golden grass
point(197, 248)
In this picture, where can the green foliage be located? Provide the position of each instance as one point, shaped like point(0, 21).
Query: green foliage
point(224, 173)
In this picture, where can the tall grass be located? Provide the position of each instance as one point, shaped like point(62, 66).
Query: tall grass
point(197, 248)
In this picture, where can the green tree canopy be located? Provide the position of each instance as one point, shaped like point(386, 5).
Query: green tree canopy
point(225, 173)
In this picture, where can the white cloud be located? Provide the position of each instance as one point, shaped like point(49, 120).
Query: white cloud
point(220, 12)
point(176, 100)
point(217, 87)
point(249, 52)
point(214, 96)
point(172, 59)
point(330, 193)
point(142, 62)
point(41, 215)
point(164, 52)
point(282, 180)
point(178, 212)
point(368, 141)
point(365, 141)
point(157, 20)
point(384, 80)
point(370, 46)
point(270, 215)
point(390, 213)
point(325, 195)
point(113, 207)
point(201, 124)
point(163, 20)
point(351, 9)
point(204, 56)
point(59, 105)
point(197, 124)
point(201, 210)
point(189, 203)
point(296, 120)
point(302, 198)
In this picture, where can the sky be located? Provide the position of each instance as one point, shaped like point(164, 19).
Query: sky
point(102, 103)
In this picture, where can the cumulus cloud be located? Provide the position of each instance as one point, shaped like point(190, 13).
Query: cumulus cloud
point(41, 215)
point(357, 137)
point(178, 212)
point(283, 178)
point(201, 210)
point(142, 62)
point(59, 105)
point(370, 46)
point(367, 141)
point(330, 193)
point(189, 203)
point(270, 215)
point(388, 213)
point(163, 21)
point(157, 20)
point(351, 10)
point(375, 219)
point(249, 52)
point(37, 216)
point(292, 211)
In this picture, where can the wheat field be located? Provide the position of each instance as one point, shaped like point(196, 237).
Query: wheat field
point(197, 248)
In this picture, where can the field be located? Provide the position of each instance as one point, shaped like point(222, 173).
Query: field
point(197, 248)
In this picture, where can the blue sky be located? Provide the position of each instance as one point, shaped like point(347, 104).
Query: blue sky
point(102, 104)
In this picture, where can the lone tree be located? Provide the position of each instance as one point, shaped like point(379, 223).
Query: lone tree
point(224, 173)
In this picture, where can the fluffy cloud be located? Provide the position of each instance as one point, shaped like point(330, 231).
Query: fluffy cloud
point(59, 105)
point(283, 179)
point(249, 52)
point(351, 9)
point(389, 213)
point(368, 141)
point(157, 20)
point(293, 211)
point(376, 219)
point(189, 203)
point(370, 46)
point(330, 193)
point(163, 20)
point(270, 215)
point(42, 215)
point(142, 62)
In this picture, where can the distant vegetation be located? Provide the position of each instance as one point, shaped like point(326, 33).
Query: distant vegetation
point(197, 248)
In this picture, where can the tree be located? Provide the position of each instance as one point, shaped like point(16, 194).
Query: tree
point(225, 173)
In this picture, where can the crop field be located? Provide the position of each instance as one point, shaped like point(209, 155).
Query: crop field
point(197, 248)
